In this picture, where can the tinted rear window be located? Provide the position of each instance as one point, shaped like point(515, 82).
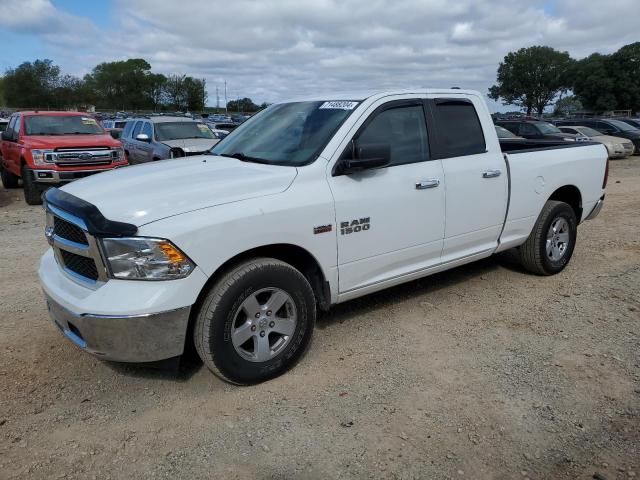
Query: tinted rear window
point(460, 132)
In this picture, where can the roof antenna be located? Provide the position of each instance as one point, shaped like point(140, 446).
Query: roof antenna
point(455, 88)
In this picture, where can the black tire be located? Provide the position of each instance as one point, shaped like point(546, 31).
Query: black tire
point(32, 192)
point(9, 180)
point(533, 253)
point(217, 316)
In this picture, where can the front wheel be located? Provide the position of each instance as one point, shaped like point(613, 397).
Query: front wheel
point(32, 193)
point(9, 180)
point(256, 321)
point(550, 244)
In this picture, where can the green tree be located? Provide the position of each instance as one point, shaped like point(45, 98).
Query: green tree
point(2, 98)
point(532, 77)
point(242, 105)
point(155, 89)
point(121, 84)
point(31, 84)
point(195, 91)
point(624, 69)
point(593, 84)
point(175, 92)
point(568, 105)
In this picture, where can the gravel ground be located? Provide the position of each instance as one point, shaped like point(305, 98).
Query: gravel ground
point(481, 372)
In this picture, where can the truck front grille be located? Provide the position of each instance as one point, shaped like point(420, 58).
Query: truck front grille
point(83, 266)
point(66, 157)
point(69, 231)
point(76, 250)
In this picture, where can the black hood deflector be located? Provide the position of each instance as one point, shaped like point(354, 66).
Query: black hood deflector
point(97, 224)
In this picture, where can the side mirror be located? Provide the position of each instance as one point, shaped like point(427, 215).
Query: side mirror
point(115, 134)
point(8, 136)
point(368, 156)
point(143, 137)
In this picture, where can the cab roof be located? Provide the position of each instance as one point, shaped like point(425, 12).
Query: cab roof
point(375, 94)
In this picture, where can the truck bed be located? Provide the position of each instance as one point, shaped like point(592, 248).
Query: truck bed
point(521, 145)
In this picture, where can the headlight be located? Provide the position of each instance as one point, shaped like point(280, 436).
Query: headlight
point(42, 157)
point(139, 258)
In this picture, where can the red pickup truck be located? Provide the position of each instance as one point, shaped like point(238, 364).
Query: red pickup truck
point(50, 148)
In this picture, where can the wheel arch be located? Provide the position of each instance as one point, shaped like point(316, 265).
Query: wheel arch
point(296, 256)
point(569, 194)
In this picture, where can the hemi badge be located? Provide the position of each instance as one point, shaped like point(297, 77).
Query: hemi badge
point(322, 229)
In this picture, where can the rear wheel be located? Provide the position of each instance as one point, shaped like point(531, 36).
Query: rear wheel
point(550, 245)
point(32, 192)
point(9, 180)
point(256, 321)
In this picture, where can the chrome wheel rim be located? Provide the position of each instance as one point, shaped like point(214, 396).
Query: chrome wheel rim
point(557, 239)
point(264, 324)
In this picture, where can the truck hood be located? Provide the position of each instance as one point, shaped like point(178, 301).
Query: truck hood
point(69, 141)
point(141, 194)
point(192, 144)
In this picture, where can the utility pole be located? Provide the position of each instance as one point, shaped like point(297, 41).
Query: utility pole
point(225, 97)
point(217, 100)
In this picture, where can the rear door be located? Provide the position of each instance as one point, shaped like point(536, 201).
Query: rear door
point(474, 171)
point(390, 220)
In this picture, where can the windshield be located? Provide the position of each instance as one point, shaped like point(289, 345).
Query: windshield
point(61, 125)
point(589, 132)
point(290, 134)
point(182, 130)
point(621, 125)
point(546, 128)
point(504, 133)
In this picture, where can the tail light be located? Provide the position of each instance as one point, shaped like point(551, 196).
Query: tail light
point(606, 175)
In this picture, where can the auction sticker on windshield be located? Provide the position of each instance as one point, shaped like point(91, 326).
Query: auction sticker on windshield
point(340, 105)
point(89, 121)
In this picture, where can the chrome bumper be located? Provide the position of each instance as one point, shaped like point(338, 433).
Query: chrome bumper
point(137, 338)
point(56, 176)
point(596, 209)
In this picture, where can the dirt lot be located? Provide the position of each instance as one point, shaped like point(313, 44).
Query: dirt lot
point(480, 372)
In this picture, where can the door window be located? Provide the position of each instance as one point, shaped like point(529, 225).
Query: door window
point(402, 128)
point(127, 129)
point(459, 129)
point(146, 129)
point(136, 129)
point(526, 129)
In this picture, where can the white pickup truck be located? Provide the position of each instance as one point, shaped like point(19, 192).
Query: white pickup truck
point(307, 204)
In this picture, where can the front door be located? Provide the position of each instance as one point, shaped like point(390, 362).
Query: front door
point(390, 220)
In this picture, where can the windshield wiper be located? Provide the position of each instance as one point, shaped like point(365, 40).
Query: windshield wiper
point(246, 158)
point(77, 133)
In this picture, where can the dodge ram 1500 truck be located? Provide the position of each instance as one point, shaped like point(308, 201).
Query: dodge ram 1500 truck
point(51, 148)
point(307, 204)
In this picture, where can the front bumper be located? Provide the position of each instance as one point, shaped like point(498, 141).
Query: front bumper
point(121, 320)
point(58, 176)
point(134, 338)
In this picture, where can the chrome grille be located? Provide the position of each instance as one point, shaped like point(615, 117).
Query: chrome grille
point(65, 157)
point(75, 249)
point(83, 266)
point(69, 231)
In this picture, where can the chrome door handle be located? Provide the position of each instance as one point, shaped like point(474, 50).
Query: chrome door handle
point(491, 174)
point(424, 184)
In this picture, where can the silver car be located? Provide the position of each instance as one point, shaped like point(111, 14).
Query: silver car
point(160, 137)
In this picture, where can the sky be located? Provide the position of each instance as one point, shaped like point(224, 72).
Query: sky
point(272, 50)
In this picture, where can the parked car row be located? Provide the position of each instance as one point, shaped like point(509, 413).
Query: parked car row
point(620, 137)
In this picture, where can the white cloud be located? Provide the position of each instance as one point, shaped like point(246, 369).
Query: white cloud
point(275, 49)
